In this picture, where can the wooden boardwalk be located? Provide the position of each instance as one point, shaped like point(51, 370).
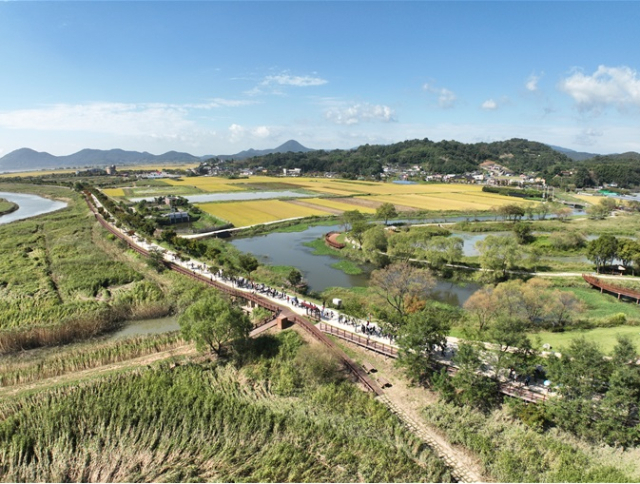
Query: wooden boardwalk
point(612, 288)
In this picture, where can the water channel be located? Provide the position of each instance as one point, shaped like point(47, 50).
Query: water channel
point(29, 206)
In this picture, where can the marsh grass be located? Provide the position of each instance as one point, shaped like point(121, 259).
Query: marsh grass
point(264, 422)
point(79, 359)
point(513, 452)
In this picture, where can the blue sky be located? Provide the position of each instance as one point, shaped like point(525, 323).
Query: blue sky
point(221, 77)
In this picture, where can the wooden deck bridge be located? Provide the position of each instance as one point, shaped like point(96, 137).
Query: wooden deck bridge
point(612, 288)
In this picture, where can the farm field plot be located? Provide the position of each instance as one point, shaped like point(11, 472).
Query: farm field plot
point(114, 192)
point(454, 201)
point(588, 198)
point(242, 214)
point(207, 184)
point(339, 204)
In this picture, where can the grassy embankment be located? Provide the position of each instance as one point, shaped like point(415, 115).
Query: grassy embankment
point(285, 416)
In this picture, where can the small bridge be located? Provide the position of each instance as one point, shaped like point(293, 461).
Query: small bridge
point(612, 288)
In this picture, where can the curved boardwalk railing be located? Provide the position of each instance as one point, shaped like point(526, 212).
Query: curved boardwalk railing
point(612, 288)
point(330, 240)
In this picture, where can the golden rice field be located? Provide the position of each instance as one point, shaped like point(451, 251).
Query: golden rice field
point(208, 184)
point(446, 201)
point(37, 173)
point(242, 214)
point(339, 205)
point(113, 192)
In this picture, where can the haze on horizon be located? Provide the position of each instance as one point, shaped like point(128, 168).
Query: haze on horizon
point(222, 77)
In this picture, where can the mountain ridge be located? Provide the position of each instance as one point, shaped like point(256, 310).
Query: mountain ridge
point(27, 159)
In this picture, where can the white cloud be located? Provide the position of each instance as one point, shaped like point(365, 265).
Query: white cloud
point(607, 86)
point(532, 82)
point(113, 118)
point(489, 105)
point(361, 112)
point(239, 133)
point(588, 137)
point(298, 81)
point(446, 98)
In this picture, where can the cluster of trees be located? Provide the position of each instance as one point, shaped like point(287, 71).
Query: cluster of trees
point(607, 248)
point(534, 302)
point(599, 396)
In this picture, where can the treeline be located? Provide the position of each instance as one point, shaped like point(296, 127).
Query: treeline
point(443, 157)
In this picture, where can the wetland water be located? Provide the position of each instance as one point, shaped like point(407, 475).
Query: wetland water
point(146, 327)
point(287, 249)
point(29, 206)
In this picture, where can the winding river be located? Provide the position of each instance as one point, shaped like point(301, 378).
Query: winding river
point(29, 205)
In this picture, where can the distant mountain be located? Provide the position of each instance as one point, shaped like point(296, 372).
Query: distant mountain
point(290, 146)
point(574, 155)
point(26, 159)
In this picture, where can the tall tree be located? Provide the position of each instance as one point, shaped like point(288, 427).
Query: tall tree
point(421, 333)
point(400, 282)
point(214, 324)
point(386, 211)
point(499, 253)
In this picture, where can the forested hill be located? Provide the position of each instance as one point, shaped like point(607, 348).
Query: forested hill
point(519, 155)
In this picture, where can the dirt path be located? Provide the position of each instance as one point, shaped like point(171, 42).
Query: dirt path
point(407, 403)
point(15, 390)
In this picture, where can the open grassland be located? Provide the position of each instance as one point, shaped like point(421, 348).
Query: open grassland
point(285, 416)
point(242, 214)
point(606, 338)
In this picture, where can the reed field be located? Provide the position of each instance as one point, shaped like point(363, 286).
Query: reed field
point(242, 214)
point(91, 355)
point(287, 415)
point(57, 283)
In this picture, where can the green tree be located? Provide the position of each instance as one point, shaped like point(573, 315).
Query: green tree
point(499, 253)
point(214, 324)
point(349, 217)
point(386, 211)
point(420, 334)
point(156, 260)
point(294, 277)
point(375, 239)
point(522, 231)
point(602, 250)
point(400, 283)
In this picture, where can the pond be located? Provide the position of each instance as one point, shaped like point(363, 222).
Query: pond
point(147, 326)
point(288, 249)
point(29, 206)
